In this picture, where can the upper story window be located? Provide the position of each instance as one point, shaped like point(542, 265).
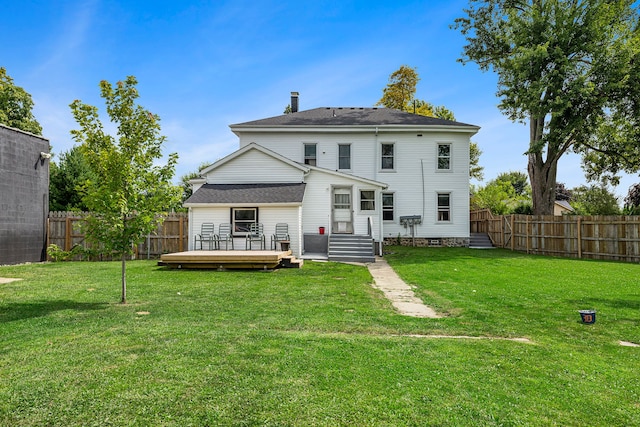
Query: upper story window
point(444, 207)
point(444, 157)
point(310, 151)
point(344, 156)
point(387, 160)
point(367, 200)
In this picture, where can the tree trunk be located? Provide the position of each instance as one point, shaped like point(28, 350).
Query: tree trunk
point(124, 261)
point(542, 172)
point(543, 183)
point(124, 278)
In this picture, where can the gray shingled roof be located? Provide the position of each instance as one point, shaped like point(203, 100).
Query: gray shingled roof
point(350, 116)
point(248, 193)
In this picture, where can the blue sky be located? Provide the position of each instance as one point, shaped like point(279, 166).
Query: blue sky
point(203, 65)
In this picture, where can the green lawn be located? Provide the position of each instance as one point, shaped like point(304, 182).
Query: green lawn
point(320, 346)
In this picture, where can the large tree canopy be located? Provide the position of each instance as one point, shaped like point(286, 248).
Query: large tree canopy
point(16, 106)
point(569, 69)
point(131, 190)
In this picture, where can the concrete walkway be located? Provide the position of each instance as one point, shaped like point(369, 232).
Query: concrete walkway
point(398, 292)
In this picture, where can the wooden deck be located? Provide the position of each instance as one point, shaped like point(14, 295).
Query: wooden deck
point(221, 260)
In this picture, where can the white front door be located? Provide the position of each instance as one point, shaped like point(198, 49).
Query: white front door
point(342, 211)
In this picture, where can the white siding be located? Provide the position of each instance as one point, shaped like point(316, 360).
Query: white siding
point(253, 167)
point(414, 180)
point(316, 210)
point(268, 215)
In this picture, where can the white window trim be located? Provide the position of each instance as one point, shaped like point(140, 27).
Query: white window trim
point(438, 220)
point(393, 210)
point(361, 199)
point(233, 219)
point(450, 169)
point(304, 156)
point(394, 157)
point(350, 157)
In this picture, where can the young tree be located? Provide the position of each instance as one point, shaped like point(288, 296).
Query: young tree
point(401, 89)
point(67, 177)
point(518, 180)
point(475, 170)
point(594, 200)
point(565, 67)
point(497, 196)
point(130, 192)
point(187, 191)
point(16, 106)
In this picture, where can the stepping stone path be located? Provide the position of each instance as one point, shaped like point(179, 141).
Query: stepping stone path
point(398, 292)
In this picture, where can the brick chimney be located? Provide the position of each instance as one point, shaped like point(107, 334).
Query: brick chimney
point(294, 102)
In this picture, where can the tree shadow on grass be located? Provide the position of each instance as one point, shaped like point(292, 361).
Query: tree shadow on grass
point(20, 311)
point(613, 303)
point(613, 306)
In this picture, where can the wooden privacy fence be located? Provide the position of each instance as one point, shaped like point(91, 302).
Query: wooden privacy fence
point(612, 237)
point(65, 230)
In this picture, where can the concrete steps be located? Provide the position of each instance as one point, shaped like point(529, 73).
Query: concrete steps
point(480, 241)
point(351, 248)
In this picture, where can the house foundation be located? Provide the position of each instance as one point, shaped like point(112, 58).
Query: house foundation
point(423, 242)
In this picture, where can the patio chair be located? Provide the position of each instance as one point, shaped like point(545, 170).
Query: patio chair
point(256, 234)
point(281, 235)
point(206, 235)
point(224, 235)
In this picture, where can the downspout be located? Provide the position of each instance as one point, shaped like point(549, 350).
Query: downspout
point(378, 156)
point(423, 187)
point(190, 230)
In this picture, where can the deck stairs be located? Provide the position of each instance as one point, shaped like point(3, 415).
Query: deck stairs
point(480, 241)
point(291, 262)
point(351, 248)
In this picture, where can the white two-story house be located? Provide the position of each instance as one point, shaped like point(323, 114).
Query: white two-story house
point(329, 172)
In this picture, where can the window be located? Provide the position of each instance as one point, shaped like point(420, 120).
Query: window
point(444, 207)
point(310, 154)
point(242, 218)
point(367, 200)
point(387, 206)
point(387, 157)
point(444, 156)
point(344, 156)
